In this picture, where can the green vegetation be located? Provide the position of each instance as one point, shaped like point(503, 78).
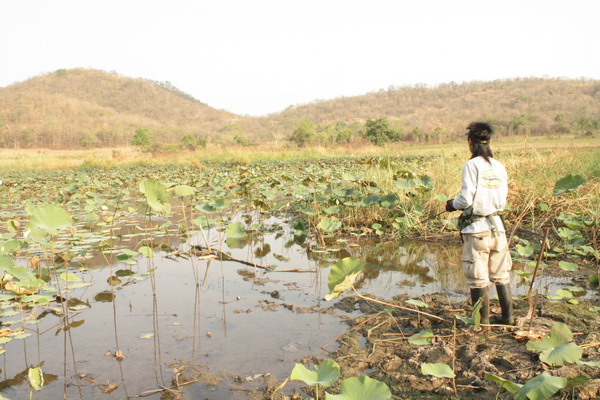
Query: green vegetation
point(63, 216)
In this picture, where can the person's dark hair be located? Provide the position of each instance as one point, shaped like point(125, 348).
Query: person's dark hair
point(480, 134)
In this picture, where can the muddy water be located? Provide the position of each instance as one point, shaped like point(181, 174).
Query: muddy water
point(221, 320)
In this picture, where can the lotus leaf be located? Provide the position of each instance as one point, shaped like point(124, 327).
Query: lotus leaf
point(568, 183)
point(439, 370)
point(417, 303)
point(236, 230)
point(506, 384)
point(342, 276)
point(361, 388)
point(329, 224)
point(36, 378)
point(157, 196)
point(323, 374)
point(49, 218)
point(6, 263)
point(555, 348)
point(568, 266)
point(183, 190)
point(422, 338)
point(68, 277)
point(541, 387)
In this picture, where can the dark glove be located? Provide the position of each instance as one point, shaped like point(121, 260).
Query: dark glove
point(449, 206)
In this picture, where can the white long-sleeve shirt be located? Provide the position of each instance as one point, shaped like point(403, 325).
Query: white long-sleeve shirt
point(484, 189)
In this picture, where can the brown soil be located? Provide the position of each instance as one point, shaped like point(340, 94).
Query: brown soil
point(387, 356)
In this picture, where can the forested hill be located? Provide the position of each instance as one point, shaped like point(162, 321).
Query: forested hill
point(89, 108)
point(518, 106)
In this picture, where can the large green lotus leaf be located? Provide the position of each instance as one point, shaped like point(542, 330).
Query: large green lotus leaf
point(566, 353)
point(422, 338)
point(183, 190)
point(21, 273)
point(36, 378)
point(9, 245)
point(439, 370)
point(361, 388)
point(157, 196)
point(236, 242)
point(342, 276)
point(236, 230)
point(323, 374)
point(559, 334)
point(5, 263)
point(506, 384)
point(49, 218)
point(541, 387)
point(568, 183)
point(329, 224)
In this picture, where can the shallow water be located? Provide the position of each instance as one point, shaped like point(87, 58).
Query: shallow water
point(225, 319)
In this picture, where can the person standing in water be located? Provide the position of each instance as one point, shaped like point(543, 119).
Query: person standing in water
point(485, 257)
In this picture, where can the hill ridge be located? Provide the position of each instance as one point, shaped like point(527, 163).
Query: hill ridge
point(72, 108)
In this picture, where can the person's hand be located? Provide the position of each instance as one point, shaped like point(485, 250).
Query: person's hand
point(449, 206)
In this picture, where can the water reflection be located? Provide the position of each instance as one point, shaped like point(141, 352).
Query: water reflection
point(177, 315)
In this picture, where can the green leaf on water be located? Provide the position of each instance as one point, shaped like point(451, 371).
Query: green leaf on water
point(323, 374)
point(567, 266)
point(439, 370)
point(361, 388)
point(236, 230)
point(422, 338)
point(49, 218)
point(5, 339)
point(541, 387)
point(146, 251)
point(6, 262)
point(157, 196)
point(342, 276)
point(36, 378)
point(568, 183)
point(69, 277)
point(329, 224)
point(506, 384)
point(565, 294)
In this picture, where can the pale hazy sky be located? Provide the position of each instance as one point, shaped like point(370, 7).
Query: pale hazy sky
point(260, 56)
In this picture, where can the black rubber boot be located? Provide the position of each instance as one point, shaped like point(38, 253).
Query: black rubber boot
point(484, 311)
point(506, 304)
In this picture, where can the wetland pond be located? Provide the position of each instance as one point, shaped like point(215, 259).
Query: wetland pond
point(214, 329)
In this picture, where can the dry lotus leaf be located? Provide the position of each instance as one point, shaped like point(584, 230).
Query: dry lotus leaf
point(6, 332)
point(119, 355)
point(12, 287)
point(110, 388)
point(34, 263)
